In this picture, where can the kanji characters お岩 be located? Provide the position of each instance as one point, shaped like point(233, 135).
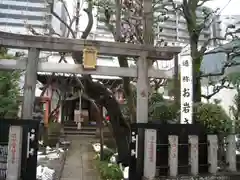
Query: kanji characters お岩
point(186, 107)
point(186, 92)
point(185, 63)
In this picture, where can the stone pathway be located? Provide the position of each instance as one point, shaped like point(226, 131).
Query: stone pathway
point(79, 164)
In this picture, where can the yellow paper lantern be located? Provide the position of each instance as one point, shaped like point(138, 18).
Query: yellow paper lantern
point(89, 58)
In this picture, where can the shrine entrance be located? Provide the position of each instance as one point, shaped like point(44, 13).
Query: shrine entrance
point(142, 71)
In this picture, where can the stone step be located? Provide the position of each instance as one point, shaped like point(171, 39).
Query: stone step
point(84, 128)
point(80, 132)
point(71, 123)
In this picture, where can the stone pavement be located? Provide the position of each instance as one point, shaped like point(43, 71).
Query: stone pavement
point(79, 163)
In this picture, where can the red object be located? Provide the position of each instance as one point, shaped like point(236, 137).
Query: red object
point(107, 118)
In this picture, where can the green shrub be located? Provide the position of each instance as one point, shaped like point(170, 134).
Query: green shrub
point(109, 171)
point(213, 117)
point(107, 154)
point(9, 90)
point(53, 134)
point(163, 111)
point(54, 128)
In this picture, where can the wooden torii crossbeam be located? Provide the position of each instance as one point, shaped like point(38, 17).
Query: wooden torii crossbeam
point(46, 43)
point(35, 44)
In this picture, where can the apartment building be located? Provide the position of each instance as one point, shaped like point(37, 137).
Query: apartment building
point(16, 15)
point(227, 21)
point(173, 30)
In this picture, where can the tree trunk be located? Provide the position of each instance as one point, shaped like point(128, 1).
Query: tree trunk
point(128, 90)
point(196, 64)
point(197, 92)
point(104, 97)
point(120, 127)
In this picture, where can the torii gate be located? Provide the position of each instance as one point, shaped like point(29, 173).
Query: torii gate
point(35, 44)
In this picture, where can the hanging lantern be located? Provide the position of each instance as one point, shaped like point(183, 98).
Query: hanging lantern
point(89, 58)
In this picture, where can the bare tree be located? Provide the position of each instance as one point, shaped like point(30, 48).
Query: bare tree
point(95, 92)
point(124, 20)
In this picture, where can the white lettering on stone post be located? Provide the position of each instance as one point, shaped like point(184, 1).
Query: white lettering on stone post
point(14, 153)
point(150, 155)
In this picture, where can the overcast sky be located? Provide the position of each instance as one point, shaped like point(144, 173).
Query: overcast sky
point(231, 9)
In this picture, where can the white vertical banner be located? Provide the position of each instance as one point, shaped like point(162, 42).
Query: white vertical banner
point(186, 91)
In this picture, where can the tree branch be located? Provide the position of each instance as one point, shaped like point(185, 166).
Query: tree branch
point(70, 25)
point(206, 44)
point(52, 32)
point(66, 9)
point(218, 88)
point(49, 81)
point(157, 83)
point(202, 25)
point(201, 3)
point(77, 56)
point(32, 30)
point(90, 20)
point(61, 20)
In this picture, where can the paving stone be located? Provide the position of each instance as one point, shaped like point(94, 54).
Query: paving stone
point(79, 162)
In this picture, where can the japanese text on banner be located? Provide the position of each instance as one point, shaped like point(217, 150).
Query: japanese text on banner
point(186, 91)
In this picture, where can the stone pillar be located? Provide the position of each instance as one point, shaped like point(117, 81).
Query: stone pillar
point(231, 153)
point(150, 153)
point(212, 153)
point(193, 142)
point(30, 83)
point(173, 155)
point(142, 109)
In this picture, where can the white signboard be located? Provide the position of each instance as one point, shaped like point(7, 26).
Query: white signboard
point(186, 92)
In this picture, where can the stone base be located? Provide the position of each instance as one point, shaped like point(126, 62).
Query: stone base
point(224, 176)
